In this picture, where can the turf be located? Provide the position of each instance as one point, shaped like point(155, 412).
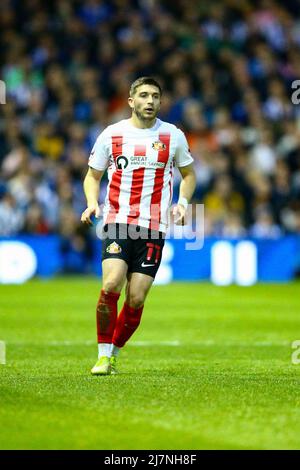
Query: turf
point(209, 368)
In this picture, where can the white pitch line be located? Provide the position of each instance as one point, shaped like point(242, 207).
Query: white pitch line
point(175, 343)
point(133, 343)
point(209, 343)
point(156, 343)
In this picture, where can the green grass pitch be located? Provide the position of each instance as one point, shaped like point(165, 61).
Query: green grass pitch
point(209, 368)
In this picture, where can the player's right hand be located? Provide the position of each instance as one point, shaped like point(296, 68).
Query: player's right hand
point(89, 211)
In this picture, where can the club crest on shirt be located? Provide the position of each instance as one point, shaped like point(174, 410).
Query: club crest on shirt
point(158, 145)
point(113, 248)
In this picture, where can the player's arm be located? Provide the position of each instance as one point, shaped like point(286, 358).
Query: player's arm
point(186, 191)
point(98, 162)
point(184, 162)
point(91, 186)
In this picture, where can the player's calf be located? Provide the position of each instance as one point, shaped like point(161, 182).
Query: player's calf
point(128, 321)
point(106, 315)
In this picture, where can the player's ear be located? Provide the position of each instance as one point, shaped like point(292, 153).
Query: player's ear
point(130, 102)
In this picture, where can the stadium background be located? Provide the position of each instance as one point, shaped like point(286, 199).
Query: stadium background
point(226, 69)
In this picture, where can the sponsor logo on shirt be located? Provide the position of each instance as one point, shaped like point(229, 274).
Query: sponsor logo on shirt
point(144, 161)
point(121, 162)
point(138, 159)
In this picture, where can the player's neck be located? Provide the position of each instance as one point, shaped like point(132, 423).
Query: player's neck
point(141, 124)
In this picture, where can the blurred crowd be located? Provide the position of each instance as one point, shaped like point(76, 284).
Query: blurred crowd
point(227, 70)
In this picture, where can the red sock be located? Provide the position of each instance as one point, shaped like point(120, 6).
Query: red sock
point(128, 321)
point(107, 312)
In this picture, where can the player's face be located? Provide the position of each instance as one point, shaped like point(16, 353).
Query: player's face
point(146, 102)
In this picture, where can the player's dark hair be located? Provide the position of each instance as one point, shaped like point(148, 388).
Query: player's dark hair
point(144, 81)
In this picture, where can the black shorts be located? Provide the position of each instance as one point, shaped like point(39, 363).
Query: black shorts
point(139, 247)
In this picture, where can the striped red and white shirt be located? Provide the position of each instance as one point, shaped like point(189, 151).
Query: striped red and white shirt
point(140, 166)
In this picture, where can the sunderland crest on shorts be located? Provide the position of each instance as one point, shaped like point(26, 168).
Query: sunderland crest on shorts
point(113, 248)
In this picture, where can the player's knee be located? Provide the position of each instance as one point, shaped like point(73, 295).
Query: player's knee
point(135, 300)
point(111, 285)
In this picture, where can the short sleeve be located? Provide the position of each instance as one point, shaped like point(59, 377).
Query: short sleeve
point(183, 155)
point(99, 156)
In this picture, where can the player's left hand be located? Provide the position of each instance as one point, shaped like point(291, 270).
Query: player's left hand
point(178, 213)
